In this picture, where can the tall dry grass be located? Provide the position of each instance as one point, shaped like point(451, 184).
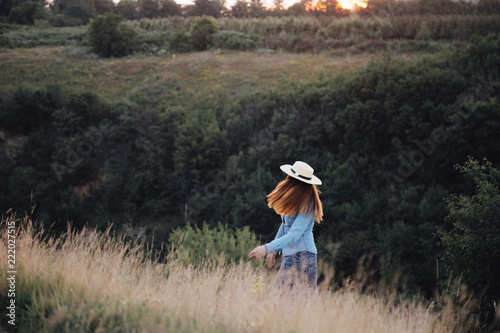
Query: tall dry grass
point(91, 281)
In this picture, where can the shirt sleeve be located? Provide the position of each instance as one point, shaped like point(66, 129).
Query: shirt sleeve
point(280, 230)
point(298, 227)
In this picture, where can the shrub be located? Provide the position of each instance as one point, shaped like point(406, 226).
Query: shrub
point(472, 246)
point(109, 38)
point(270, 43)
point(284, 43)
point(337, 44)
point(201, 31)
point(192, 244)
point(303, 45)
point(232, 40)
point(180, 41)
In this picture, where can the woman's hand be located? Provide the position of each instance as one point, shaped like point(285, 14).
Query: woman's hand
point(271, 259)
point(259, 252)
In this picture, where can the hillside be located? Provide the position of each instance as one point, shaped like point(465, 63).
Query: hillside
point(235, 70)
point(90, 282)
point(160, 139)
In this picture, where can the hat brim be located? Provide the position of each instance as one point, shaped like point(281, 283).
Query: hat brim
point(287, 168)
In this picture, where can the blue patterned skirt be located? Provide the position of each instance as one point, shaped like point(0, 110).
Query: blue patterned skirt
point(299, 269)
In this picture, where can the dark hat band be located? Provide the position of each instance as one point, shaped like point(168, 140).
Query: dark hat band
point(295, 173)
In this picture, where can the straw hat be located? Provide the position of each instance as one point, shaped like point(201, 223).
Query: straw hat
point(301, 171)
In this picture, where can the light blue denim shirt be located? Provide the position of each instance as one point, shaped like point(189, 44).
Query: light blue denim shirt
point(294, 235)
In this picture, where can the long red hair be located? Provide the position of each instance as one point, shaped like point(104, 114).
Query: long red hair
point(292, 196)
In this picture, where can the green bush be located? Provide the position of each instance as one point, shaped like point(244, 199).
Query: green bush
point(201, 31)
point(472, 245)
point(180, 41)
point(109, 38)
point(193, 244)
point(232, 40)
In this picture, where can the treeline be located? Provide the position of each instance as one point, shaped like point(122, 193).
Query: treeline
point(292, 34)
point(79, 12)
point(284, 33)
point(383, 139)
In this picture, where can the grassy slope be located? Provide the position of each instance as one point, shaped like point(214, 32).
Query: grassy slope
point(113, 78)
point(90, 282)
point(87, 288)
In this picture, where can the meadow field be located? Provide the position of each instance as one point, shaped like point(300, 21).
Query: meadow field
point(235, 71)
point(88, 281)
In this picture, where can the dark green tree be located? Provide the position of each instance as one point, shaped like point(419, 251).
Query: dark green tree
point(240, 9)
point(7, 5)
point(488, 7)
point(212, 8)
point(148, 8)
point(78, 9)
point(169, 8)
point(297, 9)
point(279, 5)
point(103, 6)
point(256, 8)
point(129, 9)
point(25, 13)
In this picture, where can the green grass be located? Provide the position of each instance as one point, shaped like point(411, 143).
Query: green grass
point(236, 72)
point(27, 36)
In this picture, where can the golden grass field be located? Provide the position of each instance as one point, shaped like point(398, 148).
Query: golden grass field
point(90, 281)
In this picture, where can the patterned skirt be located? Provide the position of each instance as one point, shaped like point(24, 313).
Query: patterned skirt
point(298, 272)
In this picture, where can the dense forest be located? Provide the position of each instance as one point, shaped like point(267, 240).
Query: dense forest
point(384, 138)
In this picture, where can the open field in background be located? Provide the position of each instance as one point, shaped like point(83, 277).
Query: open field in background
point(295, 34)
point(232, 70)
point(87, 281)
point(261, 30)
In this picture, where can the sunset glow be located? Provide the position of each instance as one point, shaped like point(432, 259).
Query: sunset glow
point(349, 4)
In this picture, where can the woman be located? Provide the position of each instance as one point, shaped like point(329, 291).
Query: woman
point(296, 199)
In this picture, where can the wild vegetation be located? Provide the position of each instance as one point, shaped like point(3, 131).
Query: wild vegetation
point(287, 33)
point(178, 142)
point(79, 12)
point(91, 281)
